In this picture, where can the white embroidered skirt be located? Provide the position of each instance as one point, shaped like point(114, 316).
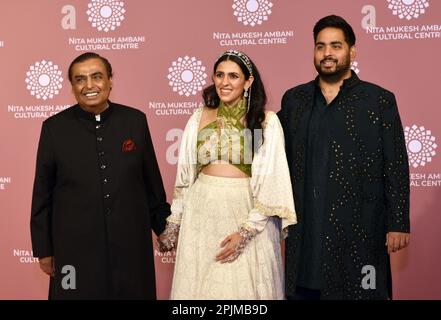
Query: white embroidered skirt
point(215, 207)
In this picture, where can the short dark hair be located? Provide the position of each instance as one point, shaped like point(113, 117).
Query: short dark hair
point(338, 22)
point(90, 55)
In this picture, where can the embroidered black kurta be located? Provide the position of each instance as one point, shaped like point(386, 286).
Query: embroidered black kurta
point(98, 193)
point(367, 186)
point(316, 170)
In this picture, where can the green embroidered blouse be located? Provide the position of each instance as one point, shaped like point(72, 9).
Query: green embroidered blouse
point(226, 140)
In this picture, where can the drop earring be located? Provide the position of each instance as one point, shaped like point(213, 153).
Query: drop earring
point(248, 97)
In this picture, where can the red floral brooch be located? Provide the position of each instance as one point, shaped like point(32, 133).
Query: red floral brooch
point(128, 146)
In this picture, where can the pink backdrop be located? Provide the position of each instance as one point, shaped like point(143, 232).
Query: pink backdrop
point(162, 53)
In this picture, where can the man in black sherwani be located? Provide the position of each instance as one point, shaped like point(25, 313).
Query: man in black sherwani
point(348, 164)
point(97, 195)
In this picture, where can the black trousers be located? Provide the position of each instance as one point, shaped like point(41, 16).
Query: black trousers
point(304, 294)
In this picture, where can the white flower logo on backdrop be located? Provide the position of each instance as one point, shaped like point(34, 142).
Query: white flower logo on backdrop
point(252, 12)
point(408, 8)
point(354, 66)
point(44, 80)
point(420, 145)
point(106, 15)
point(187, 76)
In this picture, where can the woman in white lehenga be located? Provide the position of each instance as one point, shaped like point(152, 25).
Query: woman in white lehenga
point(232, 203)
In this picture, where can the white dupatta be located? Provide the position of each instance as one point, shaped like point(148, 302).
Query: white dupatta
point(270, 180)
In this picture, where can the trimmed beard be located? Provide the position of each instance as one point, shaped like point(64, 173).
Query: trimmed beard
point(338, 73)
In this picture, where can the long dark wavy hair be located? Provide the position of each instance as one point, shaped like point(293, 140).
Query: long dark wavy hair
point(256, 114)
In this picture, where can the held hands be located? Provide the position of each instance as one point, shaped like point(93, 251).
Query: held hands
point(168, 240)
point(47, 265)
point(234, 244)
point(396, 241)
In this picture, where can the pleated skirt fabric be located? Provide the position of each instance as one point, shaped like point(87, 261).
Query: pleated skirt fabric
point(215, 208)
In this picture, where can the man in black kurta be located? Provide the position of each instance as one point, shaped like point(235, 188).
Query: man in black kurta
point(348, 164)
point(98, 193)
